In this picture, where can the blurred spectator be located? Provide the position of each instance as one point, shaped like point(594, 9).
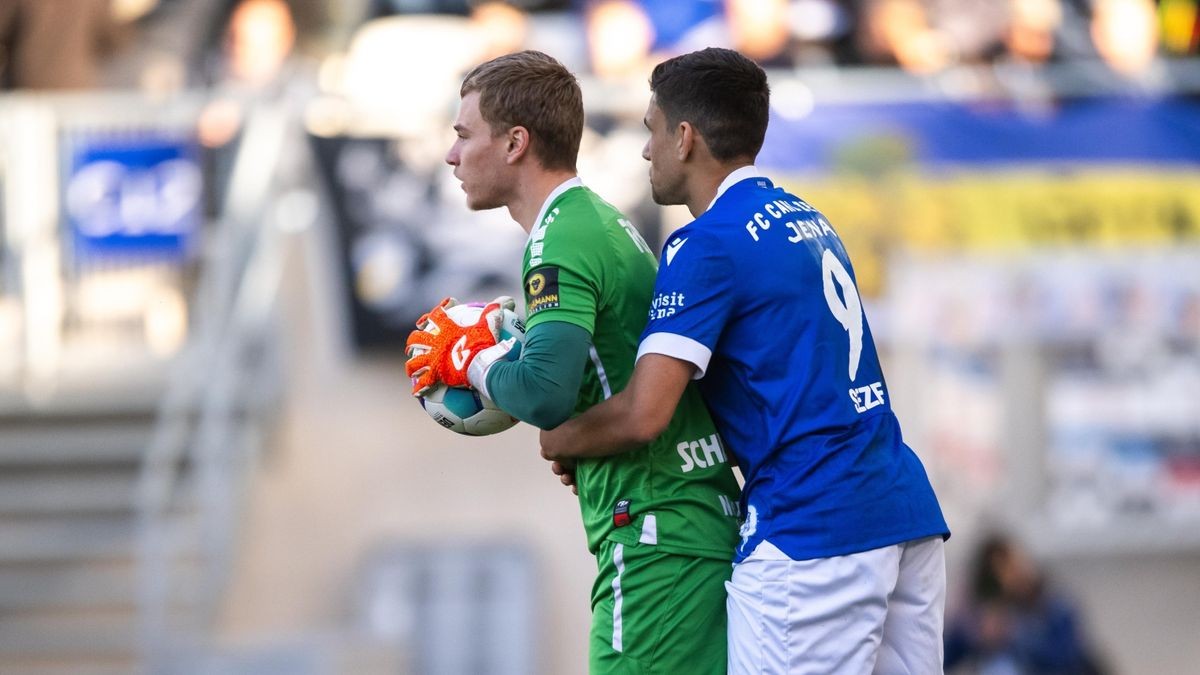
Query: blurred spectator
point(502, 25)
point(620, 36)
point(188, 44)
point(60, 44)
point(261, 35)
point(1012, 623)
point(1030, 34)
point(822, 32)
point(381, 8)
point(900, 32)
point(258, 39)
point(759, 27)
point(625, 37)
point(1125, 32)
point(925, 36)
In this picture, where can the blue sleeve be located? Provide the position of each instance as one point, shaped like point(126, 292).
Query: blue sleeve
point(694, 296)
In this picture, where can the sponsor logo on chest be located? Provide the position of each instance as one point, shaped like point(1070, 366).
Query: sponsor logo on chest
point(701, 453)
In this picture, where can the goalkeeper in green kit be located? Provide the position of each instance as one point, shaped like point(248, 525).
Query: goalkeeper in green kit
point(661, 519)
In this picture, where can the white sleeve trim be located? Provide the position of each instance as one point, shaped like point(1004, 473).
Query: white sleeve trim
point(677, 346)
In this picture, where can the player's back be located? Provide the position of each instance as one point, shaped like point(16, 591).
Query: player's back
point(587, 265)
point(794, 380)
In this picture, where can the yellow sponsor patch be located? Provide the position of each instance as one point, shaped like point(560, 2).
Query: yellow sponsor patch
point(541, 289)
point(535, 284)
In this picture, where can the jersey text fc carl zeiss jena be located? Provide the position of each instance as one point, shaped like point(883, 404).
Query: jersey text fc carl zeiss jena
point(759, 293)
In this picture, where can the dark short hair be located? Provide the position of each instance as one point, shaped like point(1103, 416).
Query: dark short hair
point(532, 90)
point(723, 94)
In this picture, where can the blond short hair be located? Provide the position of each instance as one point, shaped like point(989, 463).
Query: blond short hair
point(532, 90)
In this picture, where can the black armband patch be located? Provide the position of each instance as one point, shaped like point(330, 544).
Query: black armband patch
point(541, 289)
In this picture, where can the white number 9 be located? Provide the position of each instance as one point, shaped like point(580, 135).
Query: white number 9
point(848, 314)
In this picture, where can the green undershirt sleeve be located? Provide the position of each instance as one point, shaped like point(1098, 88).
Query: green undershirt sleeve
point(541, 388)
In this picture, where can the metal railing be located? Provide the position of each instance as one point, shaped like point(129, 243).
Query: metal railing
point(210, 398)
point(211, 414)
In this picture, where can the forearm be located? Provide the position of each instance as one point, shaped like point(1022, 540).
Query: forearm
point(604, 429)
point(542, 387)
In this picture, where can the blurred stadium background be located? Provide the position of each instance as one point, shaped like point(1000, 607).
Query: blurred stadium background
point(219, 218)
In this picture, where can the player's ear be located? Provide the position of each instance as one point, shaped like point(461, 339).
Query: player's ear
point(685, 140)
point(517, 144)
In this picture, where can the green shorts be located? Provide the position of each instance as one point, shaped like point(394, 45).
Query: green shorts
point(654, 612)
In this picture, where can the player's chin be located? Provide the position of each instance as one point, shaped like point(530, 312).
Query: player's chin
point(660, 192)
point(662, 198)
point(479, 202)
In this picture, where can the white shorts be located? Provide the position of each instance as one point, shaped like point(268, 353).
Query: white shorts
point(878, 611)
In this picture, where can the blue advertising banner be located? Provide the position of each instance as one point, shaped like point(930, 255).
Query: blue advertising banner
point(133, 194)
point(939, 176)
point(939, 134)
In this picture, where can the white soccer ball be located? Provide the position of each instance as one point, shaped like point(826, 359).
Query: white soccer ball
point(464, 410)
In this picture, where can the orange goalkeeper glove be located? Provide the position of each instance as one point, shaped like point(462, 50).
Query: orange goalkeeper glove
point(441, 349)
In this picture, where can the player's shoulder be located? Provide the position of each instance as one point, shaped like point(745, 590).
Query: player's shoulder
point(576, 231)
point(696, 241)
point(713, 228)
point(748, 203)
point(732, 208)
point(579, 214)
point(583, 202)
point(742, 200)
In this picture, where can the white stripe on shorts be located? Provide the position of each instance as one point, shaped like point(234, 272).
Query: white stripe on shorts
point(619, 561)
point(649, 530)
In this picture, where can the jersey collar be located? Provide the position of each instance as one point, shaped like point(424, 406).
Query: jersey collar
point(734, 178)
point(567, 184)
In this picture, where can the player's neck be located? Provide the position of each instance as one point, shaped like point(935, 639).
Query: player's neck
point(705, 181)
point(532, 191)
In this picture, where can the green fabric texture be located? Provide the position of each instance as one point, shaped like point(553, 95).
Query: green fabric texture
point(671, 616)
point(587, 266)
point(541, 388)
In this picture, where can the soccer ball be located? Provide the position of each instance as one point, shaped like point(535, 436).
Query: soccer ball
point(462, 409)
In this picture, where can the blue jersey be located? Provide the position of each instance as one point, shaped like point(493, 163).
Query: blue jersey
point(759, 293)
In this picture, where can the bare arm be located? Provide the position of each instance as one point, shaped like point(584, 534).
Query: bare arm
point(631, 418)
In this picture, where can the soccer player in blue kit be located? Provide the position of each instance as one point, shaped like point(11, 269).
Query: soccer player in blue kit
point(841, 566)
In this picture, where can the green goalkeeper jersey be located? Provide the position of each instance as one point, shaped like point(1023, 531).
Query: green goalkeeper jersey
point(585, 264)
